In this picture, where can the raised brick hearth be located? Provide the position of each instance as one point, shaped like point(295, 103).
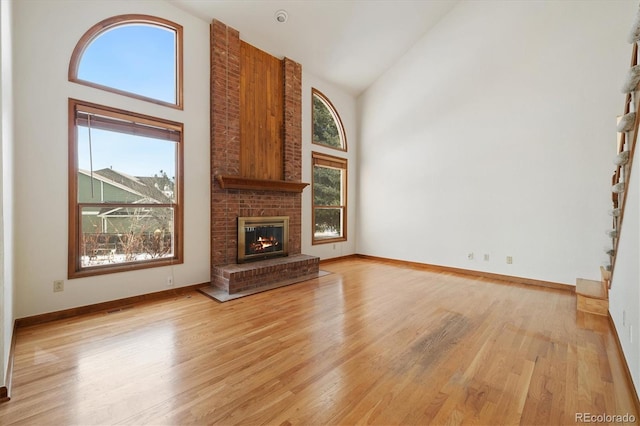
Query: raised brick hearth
point(229, 204)
point(236, 278)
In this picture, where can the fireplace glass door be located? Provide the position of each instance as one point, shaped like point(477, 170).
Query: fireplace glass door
point(262, 237)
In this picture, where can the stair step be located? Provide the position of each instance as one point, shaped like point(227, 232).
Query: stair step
point(592, 296)
point(606, 276)
point(592, 289)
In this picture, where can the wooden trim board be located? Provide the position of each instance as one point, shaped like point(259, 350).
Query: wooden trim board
point(627, 372)
point(110, 305)
point(481, 274)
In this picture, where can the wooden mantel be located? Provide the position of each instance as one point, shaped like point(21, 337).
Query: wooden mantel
point(239, 182)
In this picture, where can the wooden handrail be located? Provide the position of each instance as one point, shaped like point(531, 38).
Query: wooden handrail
point(624, 171)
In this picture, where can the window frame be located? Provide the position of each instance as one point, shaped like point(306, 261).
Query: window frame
point(329, 161)
point(75, 268)
point(336, 118)
point(120, 20)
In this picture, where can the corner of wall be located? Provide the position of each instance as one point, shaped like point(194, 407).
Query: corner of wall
point(6, 190)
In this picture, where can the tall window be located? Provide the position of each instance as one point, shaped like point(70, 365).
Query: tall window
point(327, 126)
point(133, 55)
point(329, 198)
point(125, 168)
point(329, 184)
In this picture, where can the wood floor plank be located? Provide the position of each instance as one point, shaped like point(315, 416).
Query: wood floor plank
point(370, 343)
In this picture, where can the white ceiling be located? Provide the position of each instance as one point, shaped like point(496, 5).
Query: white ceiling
point(347, 42)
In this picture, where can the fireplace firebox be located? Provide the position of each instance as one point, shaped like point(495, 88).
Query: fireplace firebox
point(262, 237)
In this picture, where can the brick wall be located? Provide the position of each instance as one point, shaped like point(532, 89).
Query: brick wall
point(227, 205)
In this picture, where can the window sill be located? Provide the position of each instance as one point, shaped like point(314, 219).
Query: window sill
point(121, 267)
point(328, 240)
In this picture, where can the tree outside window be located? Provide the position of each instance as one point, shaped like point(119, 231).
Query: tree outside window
point(329, 186)
point(329, 198)
point(327, 126)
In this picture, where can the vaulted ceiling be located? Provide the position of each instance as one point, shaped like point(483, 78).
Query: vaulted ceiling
point(349, 43)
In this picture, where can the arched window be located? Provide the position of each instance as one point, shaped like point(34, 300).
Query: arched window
point(329, 173)
point(327, 126)
point(125, 167)
point(132, 55)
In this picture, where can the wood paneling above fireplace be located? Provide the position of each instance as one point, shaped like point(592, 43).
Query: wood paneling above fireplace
point(261, 114)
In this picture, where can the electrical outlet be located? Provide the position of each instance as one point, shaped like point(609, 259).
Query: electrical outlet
point(509, 260)
point(470, 256)
point(58, 285)
point(486, 257)
point(169, 281)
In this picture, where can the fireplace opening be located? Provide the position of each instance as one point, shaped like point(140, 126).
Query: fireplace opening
point(262, 237)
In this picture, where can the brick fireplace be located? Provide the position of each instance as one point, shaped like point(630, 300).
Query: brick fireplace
point(237, 189)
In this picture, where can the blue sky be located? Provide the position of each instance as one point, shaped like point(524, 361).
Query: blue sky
point(134, 155)
point(139, 59)
point(136, 58)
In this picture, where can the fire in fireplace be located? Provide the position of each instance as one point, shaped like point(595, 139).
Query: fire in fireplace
point(262, 237)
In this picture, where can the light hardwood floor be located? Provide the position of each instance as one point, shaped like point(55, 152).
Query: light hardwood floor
point(370, 343)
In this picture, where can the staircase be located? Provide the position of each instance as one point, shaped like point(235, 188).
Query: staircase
point(593, 296)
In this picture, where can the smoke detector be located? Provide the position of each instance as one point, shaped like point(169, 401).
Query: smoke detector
point(282, 16)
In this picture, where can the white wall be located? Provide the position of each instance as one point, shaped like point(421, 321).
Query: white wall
point(494, 134)
point(6, 188)
point(46, 33)
point(625, 287)
point(345, 105)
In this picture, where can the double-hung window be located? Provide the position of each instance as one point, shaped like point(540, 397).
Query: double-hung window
point(125, 189)
point(329, 198)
